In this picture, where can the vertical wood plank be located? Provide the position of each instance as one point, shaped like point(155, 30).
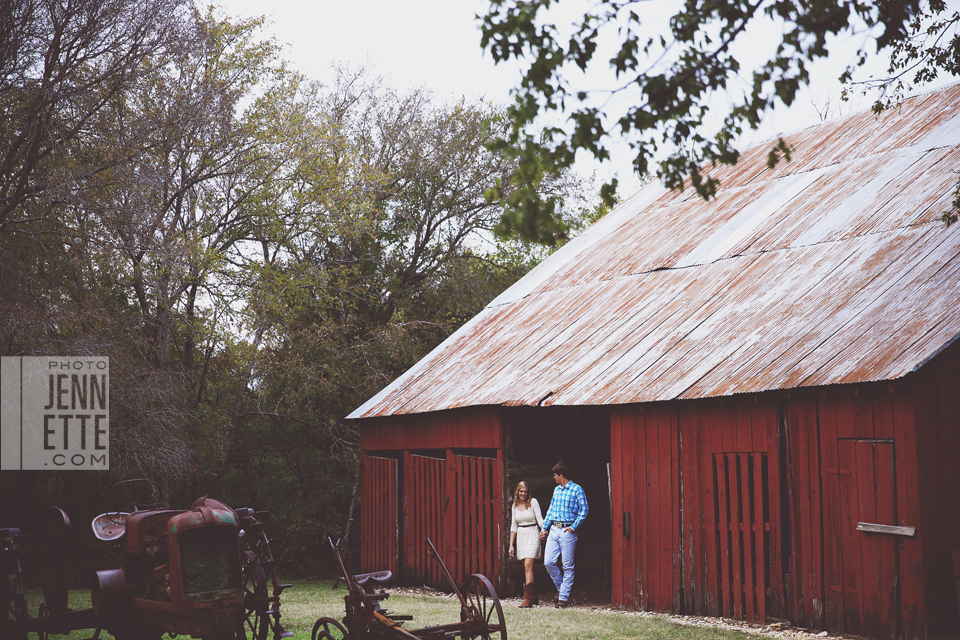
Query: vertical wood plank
point(746, 530)
point(869, 544)
point(885, 514)
point(486, 518)
point(630, 427)
point(769, 415)
point(736, 533)
point(723, 501)
point(849, 511)
point(712, 426)
point(617, 508)
point(649, 437)
point(862, 415)
point(912, 609)
point(676, 537)
point(815, 583)
point(499, 498)
point(760, 528)
point(832, 519)
point(409, 493)
point(686, 552)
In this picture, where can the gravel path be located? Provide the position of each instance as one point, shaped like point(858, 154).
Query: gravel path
point(775, 629)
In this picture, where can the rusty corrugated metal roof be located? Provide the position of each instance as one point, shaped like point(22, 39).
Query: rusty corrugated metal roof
point(833, 268)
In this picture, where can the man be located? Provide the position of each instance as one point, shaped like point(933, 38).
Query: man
point(567, 510)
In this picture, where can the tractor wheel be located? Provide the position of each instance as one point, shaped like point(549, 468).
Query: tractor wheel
point(255, 623)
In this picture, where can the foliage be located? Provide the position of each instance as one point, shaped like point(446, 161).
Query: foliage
point(666, 85)
point(256, 252)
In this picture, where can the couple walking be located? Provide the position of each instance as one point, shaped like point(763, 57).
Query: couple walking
point(568, 508)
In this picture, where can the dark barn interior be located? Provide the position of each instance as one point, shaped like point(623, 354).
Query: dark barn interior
point(536, 439)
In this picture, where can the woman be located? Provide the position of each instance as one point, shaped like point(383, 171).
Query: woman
point(525, 538)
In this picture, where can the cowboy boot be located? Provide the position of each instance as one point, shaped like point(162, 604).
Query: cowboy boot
point(534, 596)
point(527, 598)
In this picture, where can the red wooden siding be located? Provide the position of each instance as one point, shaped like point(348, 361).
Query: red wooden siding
point(769, 490)
point(474, 538)
point(423, 499)
point(936, 412)
point(731, 505)
point(466, 429)
point(378, 514)
point(806, 602)
point(644, 504)
point(872, 583)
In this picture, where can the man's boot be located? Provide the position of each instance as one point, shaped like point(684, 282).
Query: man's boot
point(527, 598)
point(534, 596)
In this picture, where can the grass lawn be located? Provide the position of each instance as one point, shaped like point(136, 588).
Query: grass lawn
point(306, 601)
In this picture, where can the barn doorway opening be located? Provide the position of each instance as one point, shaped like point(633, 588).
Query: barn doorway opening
point(537, 438)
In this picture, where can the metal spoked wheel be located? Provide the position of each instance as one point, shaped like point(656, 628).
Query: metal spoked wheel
point(484, 606)
point(328, 629)
point(254, 624)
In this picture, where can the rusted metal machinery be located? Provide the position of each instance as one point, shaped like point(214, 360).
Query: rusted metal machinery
point(208, 572)
point(481, 615)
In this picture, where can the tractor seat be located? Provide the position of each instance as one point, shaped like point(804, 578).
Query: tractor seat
point(376, 576)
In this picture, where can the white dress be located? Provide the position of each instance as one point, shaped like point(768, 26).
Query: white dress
point(526, 524)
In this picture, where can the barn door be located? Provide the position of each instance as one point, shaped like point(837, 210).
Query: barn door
point(378, 519)
point(644, 503)
point(867, 585)
point(423, 501)
point(473, 516)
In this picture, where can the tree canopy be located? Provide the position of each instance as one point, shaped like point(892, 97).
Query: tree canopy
point(662, 94)
point(257, 252)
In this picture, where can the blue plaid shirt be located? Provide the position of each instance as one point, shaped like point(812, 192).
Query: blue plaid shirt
point(569, 504)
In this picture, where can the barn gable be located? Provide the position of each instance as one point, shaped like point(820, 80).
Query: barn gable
point(760, 395)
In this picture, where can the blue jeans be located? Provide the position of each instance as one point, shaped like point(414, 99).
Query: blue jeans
point(560, 543)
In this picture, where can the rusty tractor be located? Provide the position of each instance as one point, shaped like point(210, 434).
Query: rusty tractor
point(207, 572)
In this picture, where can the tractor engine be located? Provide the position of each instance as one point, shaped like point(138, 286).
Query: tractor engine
point(181, 571)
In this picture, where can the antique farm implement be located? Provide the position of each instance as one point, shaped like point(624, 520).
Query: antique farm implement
point(481, 615)
point(208, 572)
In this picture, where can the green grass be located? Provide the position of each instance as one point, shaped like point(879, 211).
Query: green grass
point(306, 601)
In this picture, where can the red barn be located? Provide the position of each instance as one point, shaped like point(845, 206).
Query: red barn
point(760, 394)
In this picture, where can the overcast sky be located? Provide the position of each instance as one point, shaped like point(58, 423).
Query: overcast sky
point(436, 44)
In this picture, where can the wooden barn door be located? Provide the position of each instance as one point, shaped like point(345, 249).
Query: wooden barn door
point(644, 503)
point(378, 514)
point(864, 580)
point(423, 501)
point(473, 516)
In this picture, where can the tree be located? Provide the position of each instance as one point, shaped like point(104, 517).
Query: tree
point(667, 81)
point(385, 250)
point(61, 64)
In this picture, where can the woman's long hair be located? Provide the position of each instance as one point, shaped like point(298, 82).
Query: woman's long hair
point(516, 493)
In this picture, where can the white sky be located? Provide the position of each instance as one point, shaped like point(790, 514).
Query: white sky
point(436, 44)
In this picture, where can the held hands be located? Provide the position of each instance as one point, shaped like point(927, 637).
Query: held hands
point(545, 532)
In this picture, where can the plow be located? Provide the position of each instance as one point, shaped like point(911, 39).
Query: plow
point(481, 615)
